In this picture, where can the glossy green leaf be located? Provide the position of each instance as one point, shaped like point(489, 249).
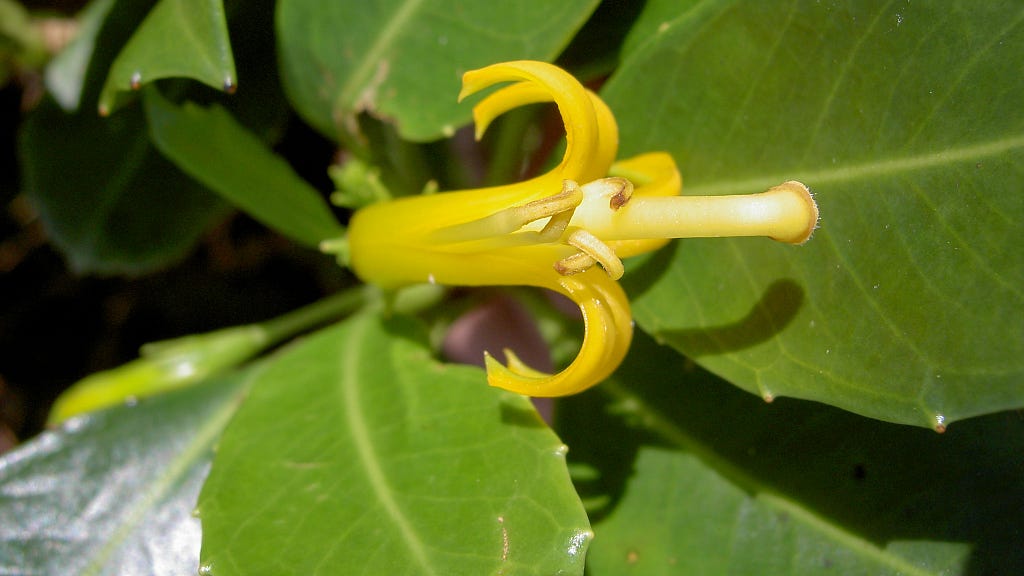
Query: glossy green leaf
point(179, 39)
point(112, 493)
point(793, 487)
point(215, 149)
point(118, 207)
point(403, 60)
point(108, 200)
point(905, 121)
point(356, 453)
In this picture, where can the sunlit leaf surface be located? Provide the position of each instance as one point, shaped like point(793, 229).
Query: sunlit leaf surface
point(403, 60)
point(905, 121)
point(112, 493)
point(358, 453)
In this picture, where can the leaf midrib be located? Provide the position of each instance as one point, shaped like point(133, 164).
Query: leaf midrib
point(349, 369)
point(200, 444)
point(866, 170)
point(367, 68)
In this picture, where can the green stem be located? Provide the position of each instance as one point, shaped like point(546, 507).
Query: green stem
point(355, 144)
point(173, 364)
point(316, 314)
point(409, 300)
point(402, 164)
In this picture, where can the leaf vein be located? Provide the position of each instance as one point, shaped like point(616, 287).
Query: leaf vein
point(363, 74)
point(869, 170)
point(367, 453)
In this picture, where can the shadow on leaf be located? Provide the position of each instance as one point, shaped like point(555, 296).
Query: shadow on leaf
point(769, 316)
point(906, 490)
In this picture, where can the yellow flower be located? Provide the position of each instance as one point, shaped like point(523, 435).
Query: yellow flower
point(551, 230)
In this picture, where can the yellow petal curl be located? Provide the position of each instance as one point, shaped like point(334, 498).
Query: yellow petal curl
point(608, 331)
point(585, 157)
point(525, 93)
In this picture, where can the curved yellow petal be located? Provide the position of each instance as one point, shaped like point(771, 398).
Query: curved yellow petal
point(652, 174)
point(572, 99)
point(505, 99)
point(525, 93)
point(609, 330)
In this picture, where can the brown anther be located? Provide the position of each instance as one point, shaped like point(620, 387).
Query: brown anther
point(622, 195)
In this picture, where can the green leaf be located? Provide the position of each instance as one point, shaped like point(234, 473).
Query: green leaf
point(113, 492)
point(761, 534)
point(66, 73)
point(403, 60)
point(905, 122)
point(115, 207)
point(356, 453)
point(792, 487)
point(108, 200)
point(21, 43)
point(219, 152)
point(179, 39)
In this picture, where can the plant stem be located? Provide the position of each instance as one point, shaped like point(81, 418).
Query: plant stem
point(315, 314)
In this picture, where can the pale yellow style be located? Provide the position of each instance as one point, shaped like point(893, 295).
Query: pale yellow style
point(551, 230)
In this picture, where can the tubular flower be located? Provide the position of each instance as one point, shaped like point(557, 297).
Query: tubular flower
point(565, 230)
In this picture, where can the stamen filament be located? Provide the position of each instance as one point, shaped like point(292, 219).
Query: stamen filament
point(591, 246)
point(512, 219)
point(559, 221)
